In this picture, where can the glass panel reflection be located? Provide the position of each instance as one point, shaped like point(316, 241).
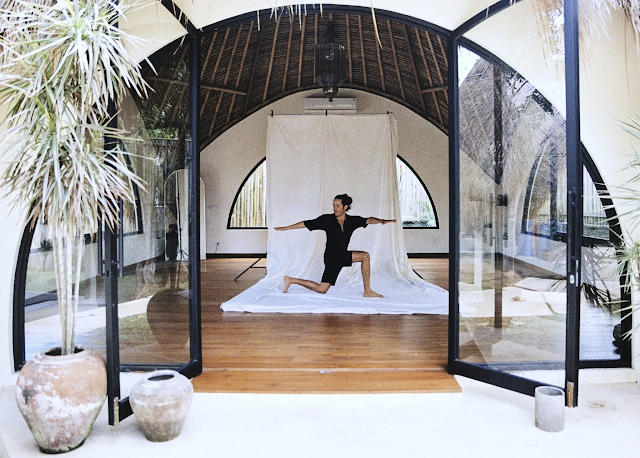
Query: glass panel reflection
point(153, 290)
point(512, 286)
point(42, 316)
point(513, 230)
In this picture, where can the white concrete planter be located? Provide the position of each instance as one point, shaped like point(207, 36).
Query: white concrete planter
point(549, 409)
point(160, 402)
point(61, 396)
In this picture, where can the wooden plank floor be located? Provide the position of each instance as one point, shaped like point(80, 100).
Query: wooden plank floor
point(251, 352)
point(286, 381)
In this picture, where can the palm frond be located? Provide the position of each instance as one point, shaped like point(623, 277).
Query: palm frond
point(594, 15)
point(61, 65)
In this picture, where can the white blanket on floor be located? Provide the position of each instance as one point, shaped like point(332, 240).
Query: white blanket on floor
point(311, 159)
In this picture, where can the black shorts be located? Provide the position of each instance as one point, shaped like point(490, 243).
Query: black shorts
point(334, 264)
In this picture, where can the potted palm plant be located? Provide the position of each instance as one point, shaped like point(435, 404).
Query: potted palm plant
point(62, 63)
point(628, 206)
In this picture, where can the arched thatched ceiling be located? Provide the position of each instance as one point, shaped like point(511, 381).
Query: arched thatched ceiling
point(245, 68)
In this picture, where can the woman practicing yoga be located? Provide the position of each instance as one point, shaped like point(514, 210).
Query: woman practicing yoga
point(339, 227)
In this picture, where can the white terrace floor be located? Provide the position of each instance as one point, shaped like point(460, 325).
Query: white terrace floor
point(482, 421)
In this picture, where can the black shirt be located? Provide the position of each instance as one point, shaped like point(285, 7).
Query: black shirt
point(337, 239)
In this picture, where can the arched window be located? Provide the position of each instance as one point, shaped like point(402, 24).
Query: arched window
point(416, 206)
point(249, 210)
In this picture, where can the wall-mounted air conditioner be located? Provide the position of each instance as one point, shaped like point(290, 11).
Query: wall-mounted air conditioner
point(321, 105)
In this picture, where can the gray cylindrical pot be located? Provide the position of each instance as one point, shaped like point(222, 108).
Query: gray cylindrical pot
point(160, 402)
point(549, 409)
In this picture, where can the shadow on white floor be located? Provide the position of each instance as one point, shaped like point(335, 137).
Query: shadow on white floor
point(482, 421)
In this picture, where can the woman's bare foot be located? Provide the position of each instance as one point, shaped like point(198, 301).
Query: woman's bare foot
point(287, 283)
point(372, 293)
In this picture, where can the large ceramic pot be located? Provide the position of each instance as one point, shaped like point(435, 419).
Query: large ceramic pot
point(160, 401)
point(60, 397)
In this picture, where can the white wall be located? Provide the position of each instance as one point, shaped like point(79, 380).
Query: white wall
point(227, 161)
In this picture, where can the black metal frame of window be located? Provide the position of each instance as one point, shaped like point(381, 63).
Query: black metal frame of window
point(235, 199)
point(19, 286)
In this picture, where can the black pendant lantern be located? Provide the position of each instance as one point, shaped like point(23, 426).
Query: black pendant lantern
point(330, 62)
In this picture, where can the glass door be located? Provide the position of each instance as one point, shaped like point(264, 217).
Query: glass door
point(512, 285)
point(153, 260)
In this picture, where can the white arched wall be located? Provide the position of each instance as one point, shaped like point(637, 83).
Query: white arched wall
point(610, 85)
point(225, 163)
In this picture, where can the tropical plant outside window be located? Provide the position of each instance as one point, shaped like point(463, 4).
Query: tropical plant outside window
point(250, 210)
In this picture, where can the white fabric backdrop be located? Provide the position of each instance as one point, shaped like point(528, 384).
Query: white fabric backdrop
point(311, 159)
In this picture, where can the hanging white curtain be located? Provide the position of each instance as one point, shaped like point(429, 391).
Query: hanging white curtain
point(311, 159)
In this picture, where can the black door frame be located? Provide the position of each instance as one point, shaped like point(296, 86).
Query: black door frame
point(574, 203)
point(118, 408)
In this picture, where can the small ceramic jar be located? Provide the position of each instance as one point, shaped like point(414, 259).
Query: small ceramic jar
point(160, 402)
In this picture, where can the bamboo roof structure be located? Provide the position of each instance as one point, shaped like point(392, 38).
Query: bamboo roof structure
point(245, 69)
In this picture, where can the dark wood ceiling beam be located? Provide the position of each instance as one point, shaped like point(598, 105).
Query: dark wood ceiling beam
point(286, 61)
point(203, 86)
point(244, 55)
point(215, 112)
point(174, 77)
point(395, 59)
point(273, 52)
point(349, 49)
point(304, 25)
point(384, 86)
point(222, 89)
point(415, 70)
point(175, 110)
point(433, 89)
point(424, 58)
point(226, 76)
point(253, 70)
point(444, 52)
point(435, 60)
point(215, 68)
point(440, 117)
point(364, 65)
point(446, 63)
point(233, 54)
point(206, 59)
